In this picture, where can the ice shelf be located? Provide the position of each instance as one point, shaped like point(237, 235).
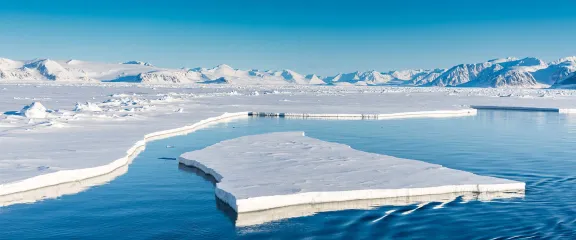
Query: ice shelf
point(262, 172)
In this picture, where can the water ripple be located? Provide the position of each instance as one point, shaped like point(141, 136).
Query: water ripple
point(157, 200)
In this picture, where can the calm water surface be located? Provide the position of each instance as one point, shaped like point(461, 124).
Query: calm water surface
point(158, 200)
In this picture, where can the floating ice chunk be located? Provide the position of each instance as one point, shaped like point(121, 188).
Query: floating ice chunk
point(268, 171)
point(34, 110)
point(87, 107)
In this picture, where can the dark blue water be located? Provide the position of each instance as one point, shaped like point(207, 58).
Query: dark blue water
point(158, 200)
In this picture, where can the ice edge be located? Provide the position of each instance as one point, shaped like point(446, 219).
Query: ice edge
point(64, 176)
point(277, 201)
point(72, 175)
point(534, 109)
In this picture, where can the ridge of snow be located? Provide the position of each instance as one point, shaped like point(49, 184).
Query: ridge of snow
point(34, 110)
point(74, 62)
point(313, 79)
point(503, 60)
point(87, 107)
point(564, 59)
point(138, 63)
point(50, 69)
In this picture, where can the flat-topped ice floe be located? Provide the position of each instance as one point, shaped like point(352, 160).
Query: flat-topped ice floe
point(268, 171)
point(517, 108)
point(417, 114)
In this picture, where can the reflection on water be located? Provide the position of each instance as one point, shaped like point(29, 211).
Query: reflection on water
point(59, 190)
point(156, 199)
point(67, 188)
point(260, 217)
point(197, 172)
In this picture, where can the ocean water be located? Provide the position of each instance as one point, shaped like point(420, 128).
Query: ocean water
point(158, 199)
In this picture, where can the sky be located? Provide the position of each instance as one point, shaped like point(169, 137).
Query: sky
point(308, 36)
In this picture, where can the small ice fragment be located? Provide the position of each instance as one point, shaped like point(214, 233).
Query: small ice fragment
point(88, 107)
point(34, 110)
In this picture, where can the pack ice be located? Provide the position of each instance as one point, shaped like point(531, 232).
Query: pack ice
point(268, 171)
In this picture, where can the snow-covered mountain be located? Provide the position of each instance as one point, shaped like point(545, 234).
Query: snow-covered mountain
point(505, 72)
point(492, 73)
point(38, 69)
point(314, 79)
point(226, 74)
point(508, 72)
point(557, 71)
point(138, 63)
point(69, 71)
point(568, 82)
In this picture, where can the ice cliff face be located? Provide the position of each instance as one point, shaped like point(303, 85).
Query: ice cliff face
point(505, 72)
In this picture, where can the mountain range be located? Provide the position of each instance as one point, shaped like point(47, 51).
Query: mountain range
point(506, 72)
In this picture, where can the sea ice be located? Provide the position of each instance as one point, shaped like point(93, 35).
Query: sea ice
point(34, 110)
point(102, 140)
point(268, 171)
point(88, 107)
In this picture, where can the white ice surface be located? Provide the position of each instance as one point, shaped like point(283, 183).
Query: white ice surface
point(69, 140)
point(34, 110)
point(266, 171)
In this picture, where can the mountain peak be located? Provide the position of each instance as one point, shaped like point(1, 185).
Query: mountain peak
point(138, 63)
point(74, 61)
point(501, 60)
point(525, 72)
point(223, 66)
point(565, 59)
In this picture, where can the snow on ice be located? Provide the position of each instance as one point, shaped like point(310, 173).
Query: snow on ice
point(273, 170)
point(39, 152)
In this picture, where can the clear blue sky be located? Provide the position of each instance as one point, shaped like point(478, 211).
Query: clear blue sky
point(309, 36)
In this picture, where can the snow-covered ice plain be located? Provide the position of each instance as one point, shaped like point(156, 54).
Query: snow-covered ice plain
point(77, 131)
point(273, 170)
